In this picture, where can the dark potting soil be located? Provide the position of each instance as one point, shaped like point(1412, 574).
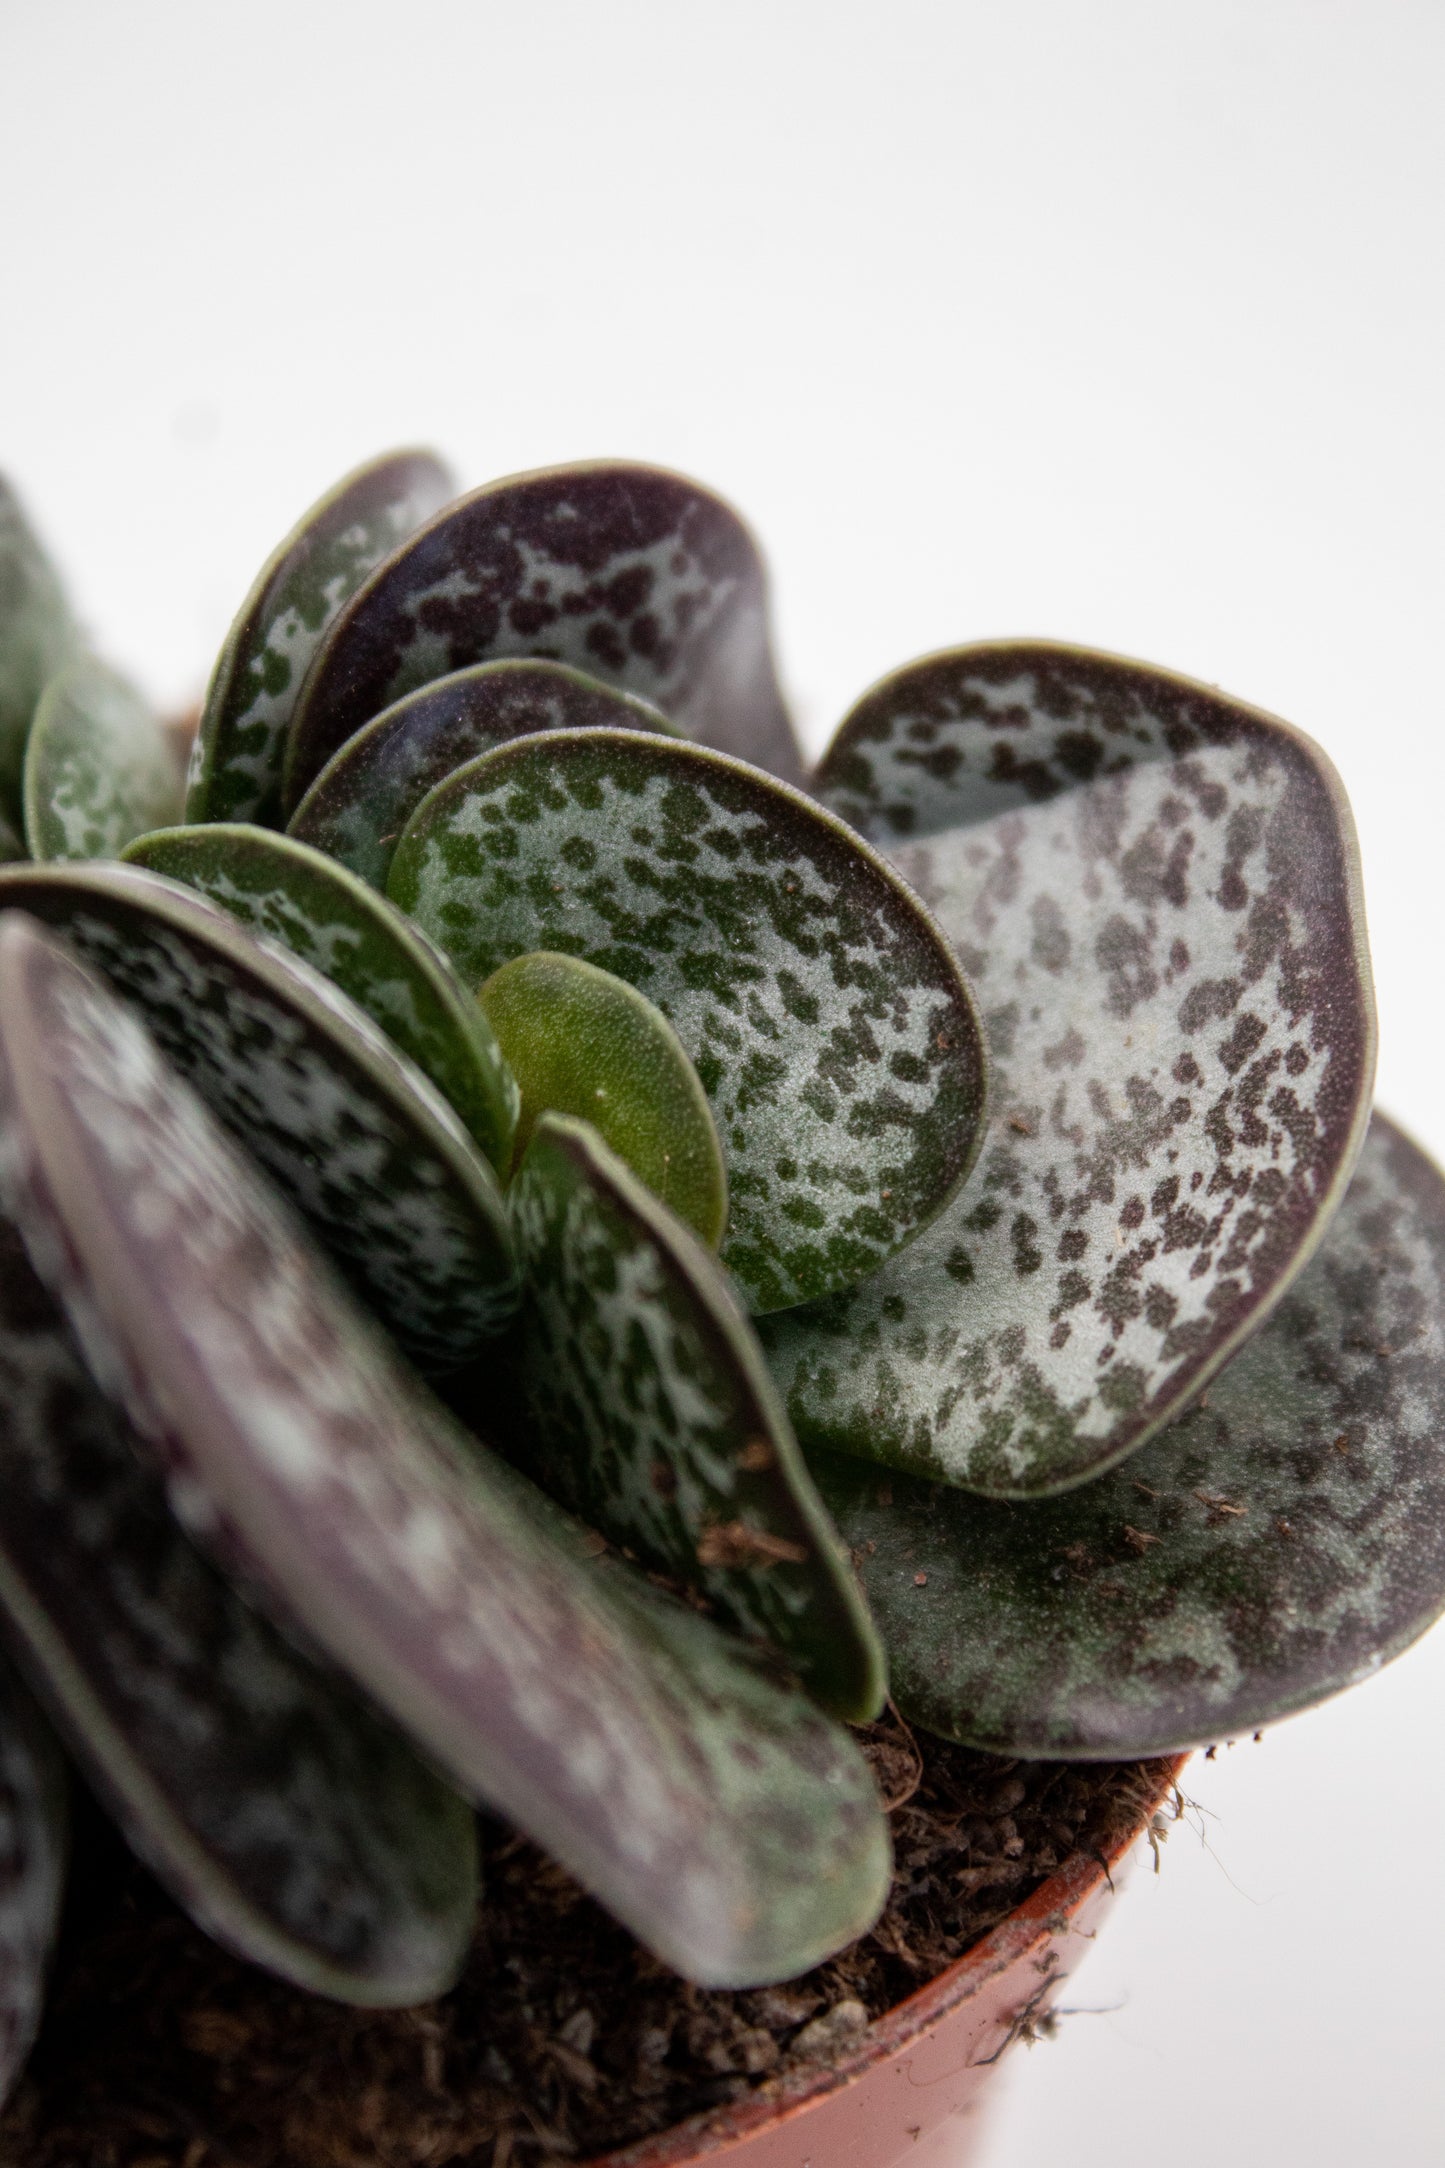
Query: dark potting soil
point(564, 2037)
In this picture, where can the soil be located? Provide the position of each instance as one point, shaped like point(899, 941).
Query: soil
point(564, 2037)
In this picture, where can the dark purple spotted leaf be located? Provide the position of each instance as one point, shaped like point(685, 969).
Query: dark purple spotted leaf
point(292, 1825)
point(1155, 892)
point(1280, 1541)
point(820, 1005)
point(100, 766)
point(363, 798)
point(724, 1819)
point(38, 636)
point(635, 576)
point(236, 763)
point(290, 894)
point(362, 1144)
point(651, 1414)
point(34, 1826)
point(580, 1041)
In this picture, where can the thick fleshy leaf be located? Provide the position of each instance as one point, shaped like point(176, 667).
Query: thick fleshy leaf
point(633, 575)
point(236, 762)
point(1280, 1541)
point(580, 1041)
point(730, 1824)
point(38, 636)
point(291, 894)
point(100, 766)
point(1155, 892)
point(34, 1826)
point(363, 798)
point(652, 1415)
point(821, 1007)
point(292, 1825)
point(361, 1143)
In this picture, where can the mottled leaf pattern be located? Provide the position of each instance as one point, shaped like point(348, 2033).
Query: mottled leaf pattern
point(236, 763)
point(363, 1146)
point(1155, 892)
point(580, 1041)
point(100, 766)
point(33, 1843)
point(290, 894)
point(820, 1006)
point(1281, 1540)
point(735, 1829)
point(292, 1825)
point(38, 636)
point(652, 1415)
point(363, 798)
point(633, 575)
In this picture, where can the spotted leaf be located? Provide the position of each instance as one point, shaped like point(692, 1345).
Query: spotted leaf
point(633, 575)
point(359, 1140)
point(1155, 891)
point(652, 1415)
point(291, 894)
point(728, 1823)
point(363, 798)
point(821, 1007)
point(34, 1830)
point(236, 762)
point(100, 766)
point(38, 637)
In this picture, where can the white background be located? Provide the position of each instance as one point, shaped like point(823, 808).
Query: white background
point(1116, 320)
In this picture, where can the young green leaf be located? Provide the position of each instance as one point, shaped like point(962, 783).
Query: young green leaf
point(580, 1041)
point(100, 766)
point(34, 1815)
point(1276, 1543)
point(728, 1823)
point(1156, 892)
point(651, 1414)
point(362, 1144)
point(820, 1005)
point(38, 637)
point(631, 574)
point(289, 1822)
point(289, 893)
point(367, 792)
point(236, 763)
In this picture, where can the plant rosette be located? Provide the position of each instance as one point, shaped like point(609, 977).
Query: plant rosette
point(552, 1261)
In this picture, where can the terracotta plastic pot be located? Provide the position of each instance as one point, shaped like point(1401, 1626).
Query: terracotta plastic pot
point(912, 2089)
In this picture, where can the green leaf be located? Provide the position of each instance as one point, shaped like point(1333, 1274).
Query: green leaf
point(729, 1824)
point(236, 763)
point(633, 575)
point(288, 893)
point(100, 766)
point(1156, 894)
point(651, 1414)
point(362, 1145)
point(822, 1009)
point(580, 1041)
point(1272, 1546)
point(35, 1804)
point(367, 792)
point(38, 637)
point(288, 1821)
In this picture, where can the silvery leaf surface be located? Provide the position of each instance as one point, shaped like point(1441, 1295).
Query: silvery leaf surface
point(292, 1825)
point(364, 1147)
point(359, 804)
point(236, 761)
point(1272, 1546)
point(100, 766)
point(633, 575)
point(1155, 892)
point(734, 1828)
point(38, 637)
point(823, 1010)
point(34, 1844)
point(294, 896)
point(650, 1413)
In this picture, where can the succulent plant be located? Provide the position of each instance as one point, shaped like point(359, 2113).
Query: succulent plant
point(548, 1263)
